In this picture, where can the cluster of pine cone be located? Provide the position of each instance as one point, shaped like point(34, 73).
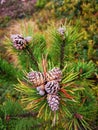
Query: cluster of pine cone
point(19, 42)
point(48, 84)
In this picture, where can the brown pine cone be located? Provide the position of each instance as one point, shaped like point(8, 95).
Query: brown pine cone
point(19, 42)
point(53, 101)
point(36, 77)
point(54, 74)
point(52, 87)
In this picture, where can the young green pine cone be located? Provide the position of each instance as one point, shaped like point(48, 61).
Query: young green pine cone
point(54, 74)
point(52, 87)
point(53, 101)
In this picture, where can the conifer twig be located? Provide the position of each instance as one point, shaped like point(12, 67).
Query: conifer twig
point(32, 57)
point(24, 115)
point(29, 114)
point(62, 54)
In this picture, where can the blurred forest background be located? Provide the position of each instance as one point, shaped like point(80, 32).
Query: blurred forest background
point(27, 17)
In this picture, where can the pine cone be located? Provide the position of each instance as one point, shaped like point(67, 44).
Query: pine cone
point(52, 87)
point(61, 30)
point(19, 42)
point(36, 77)
point(54, 74)
point(53, 101)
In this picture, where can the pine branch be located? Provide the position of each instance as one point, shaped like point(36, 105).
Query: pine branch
point(24, 115)
point(32, 57)
point(62, 54)
point(29, 114)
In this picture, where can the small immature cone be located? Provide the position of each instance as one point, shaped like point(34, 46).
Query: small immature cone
point(36, 77)
point(41, 87)
point(53, 101)
point(54, 74)
point(41, 90)
point(61, 30)
point(28, 39)
point(52, 87)
point(38, 88)
point(19, 42)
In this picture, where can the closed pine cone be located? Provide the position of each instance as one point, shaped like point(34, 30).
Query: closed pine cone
point(52, 87)
point(54, 74)
point(36, 77)
point(19, 42)
point(53, 101)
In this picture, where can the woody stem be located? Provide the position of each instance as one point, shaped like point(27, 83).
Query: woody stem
point(62, 54)
point(32, 57)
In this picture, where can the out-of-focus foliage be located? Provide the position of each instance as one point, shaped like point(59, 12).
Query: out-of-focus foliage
point(41, 3)
point(84, 12)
